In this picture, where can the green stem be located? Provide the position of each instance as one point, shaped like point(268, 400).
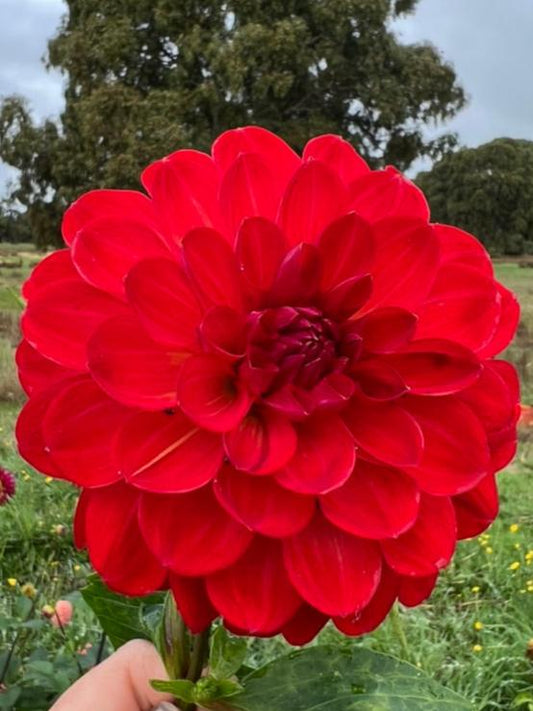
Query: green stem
point(397, 626)
point(199, 655)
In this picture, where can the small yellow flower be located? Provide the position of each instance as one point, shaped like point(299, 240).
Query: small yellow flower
point(477, 648)
point(47, 610)
point(514, 565)
point(29, 590)
point(529, 557)
point(48, 480)
point(514, 527)
point(488, 550)
point(77, 568)
point(476, 589)
point(12, 582)
point(478, 625)
point(26, 477)
point(517, 546)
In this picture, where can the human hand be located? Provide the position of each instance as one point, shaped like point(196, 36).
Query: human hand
point(120, 683)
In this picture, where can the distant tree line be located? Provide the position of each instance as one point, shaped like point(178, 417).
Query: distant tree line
point(487, 191)
point(145, 77)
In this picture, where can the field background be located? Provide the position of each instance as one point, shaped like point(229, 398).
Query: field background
point(472, 635)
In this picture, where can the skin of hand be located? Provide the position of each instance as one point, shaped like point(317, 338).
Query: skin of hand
point(120, 683)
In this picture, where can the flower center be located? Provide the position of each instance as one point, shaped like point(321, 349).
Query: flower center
point(294, 344)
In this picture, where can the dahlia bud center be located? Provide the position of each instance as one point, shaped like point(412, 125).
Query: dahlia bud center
point(300, 343)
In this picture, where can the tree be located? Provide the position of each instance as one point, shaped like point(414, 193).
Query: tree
point(145, 77)
point(487, 191)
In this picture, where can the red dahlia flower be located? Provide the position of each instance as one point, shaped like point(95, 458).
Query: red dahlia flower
point(275, 382)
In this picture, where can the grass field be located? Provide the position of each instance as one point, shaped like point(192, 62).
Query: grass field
point(472, 634)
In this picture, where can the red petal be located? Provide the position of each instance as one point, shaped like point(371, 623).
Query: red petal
point(262, 505)
point(60, 322)
point(476, 509)
point(507, 324)
point(385, 330)
point(37, 372)
point(262, 443)
point(373, 614)
point(413, 591)
point(463, 306)
point(213, 269)
point(347, 298)
point(405, 264)
point(324, 459)
point(170, 455)
point(376, 502)
point(183, 187)
point(334, 572)
point(165, 303)
point(491, 397)
point(337, 154)
point(280, 159)
point(80, 427)
point(385, 430)
point(209, 393)
point(333, 392)
point(192, 602)
point(109, 204)
point(116, 547)
point(460, 247)
point(255, 594)
point(502, 445)
point(29, 434)
point(248, 190)
point(80, 539)
point(190, 533)
point(260, 249)
point(298, 277)
point(223, 331)
point(346, 250)
point(314, 198)
point(387, 193)
point(106, 249)
point(428, 546)
point(51, 269)
point(304, 626)
point(131, 367)
point(448, 466)
point(435, 366)
point(377, 379)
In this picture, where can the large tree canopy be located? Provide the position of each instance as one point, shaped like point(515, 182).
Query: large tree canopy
point(145, 77)
point(487, 191)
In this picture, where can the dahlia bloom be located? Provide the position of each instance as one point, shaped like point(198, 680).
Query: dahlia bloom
point(274, 381)
point(7, 486)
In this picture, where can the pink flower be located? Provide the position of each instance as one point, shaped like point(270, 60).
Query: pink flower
point(7, 486)
point(62, 614)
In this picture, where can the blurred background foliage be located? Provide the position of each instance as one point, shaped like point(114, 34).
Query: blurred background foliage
point(146, 77)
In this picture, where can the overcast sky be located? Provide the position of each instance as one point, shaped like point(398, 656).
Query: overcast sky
point(490, 43)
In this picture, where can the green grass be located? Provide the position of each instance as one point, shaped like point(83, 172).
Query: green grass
point(481, 585)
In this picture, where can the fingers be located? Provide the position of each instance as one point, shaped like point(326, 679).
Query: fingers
point(121, 683)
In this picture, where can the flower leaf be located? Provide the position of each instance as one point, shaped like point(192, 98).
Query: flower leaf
point(227, 653)
point(122, 618)
point(337, 679)
point(182, 689)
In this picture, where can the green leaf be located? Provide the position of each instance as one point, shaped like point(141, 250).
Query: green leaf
point(182, 689)
point(122, 618)
point(227, 653)
point(336, 679)
point(9, 696)
point(210, 689)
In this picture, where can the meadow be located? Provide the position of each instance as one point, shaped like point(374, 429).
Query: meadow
point(475, 634)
